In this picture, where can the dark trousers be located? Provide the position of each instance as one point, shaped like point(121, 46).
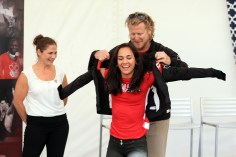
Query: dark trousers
point(127, 148)
point(49, 131)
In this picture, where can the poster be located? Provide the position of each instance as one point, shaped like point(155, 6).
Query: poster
point(11, 64)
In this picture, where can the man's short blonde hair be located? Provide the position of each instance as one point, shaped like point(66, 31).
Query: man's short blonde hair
point(140, 17)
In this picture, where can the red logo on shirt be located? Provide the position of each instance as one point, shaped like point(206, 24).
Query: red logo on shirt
point(14, 69)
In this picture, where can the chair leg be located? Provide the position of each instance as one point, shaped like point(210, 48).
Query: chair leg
point(191, 144)
point(200, 147)
point(216, 141)
point(100, 138)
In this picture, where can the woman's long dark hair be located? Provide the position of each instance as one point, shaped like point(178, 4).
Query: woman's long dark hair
point(113, 80)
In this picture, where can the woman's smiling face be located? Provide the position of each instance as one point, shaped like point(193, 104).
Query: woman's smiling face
point(126, 62)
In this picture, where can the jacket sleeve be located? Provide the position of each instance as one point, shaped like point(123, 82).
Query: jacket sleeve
point(170, 73)
point(79, 82)
point(102, 95)
point(92, 60)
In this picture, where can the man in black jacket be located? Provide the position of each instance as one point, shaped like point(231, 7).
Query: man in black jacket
point(141, 32)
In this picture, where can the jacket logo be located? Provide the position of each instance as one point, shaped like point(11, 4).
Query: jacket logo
point(153, 108)
point(166, 66)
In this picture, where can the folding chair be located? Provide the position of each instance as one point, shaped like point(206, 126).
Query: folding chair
point(182, 117)
point(218, 113)
point(105, 121)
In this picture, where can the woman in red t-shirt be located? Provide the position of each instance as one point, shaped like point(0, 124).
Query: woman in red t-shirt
point(128, 85)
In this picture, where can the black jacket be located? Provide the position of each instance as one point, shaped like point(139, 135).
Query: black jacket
point(166, 74)
point(149, 58)
point(170, 73)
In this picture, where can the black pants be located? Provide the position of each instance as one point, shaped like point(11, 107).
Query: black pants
point(49, 131)
point(127, 148)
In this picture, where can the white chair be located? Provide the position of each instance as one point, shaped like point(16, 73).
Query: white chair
point(182, 117)
point(105, 121)
point(218, 113)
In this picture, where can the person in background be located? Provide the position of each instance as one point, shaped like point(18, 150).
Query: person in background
point(11, 65)
point(11, 22)
point(7, 114)
point(141, 33)
point(42, 110)
point(10, 61)
point(11, 18)
point(4, 110)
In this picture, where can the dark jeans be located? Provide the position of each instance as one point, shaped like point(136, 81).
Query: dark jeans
point(49, 131)
point(127, 148)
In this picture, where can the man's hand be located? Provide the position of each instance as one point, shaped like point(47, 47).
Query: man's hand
point(102, 55)
point(162, 57)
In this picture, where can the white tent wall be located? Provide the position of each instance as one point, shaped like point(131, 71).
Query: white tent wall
point(197, 29)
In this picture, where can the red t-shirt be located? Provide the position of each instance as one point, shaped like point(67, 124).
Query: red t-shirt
point(9, 68)
point(128, 110)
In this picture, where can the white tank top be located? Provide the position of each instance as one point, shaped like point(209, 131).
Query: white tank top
point(42, 98)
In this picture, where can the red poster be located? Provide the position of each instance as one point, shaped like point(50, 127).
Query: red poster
point(11, 64)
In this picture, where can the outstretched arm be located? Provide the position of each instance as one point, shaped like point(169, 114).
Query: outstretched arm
point(182, 73)
point(74, 85)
